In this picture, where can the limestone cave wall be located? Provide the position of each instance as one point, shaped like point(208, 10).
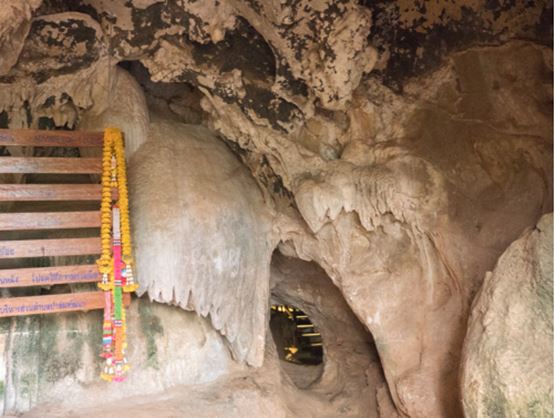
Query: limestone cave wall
point(400, 146)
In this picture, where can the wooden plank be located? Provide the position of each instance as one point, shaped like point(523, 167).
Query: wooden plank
point(45, 304)
point(47, 276)
point(49, 247)
point(41, 138)
point(49, 220)
point(50, 165)
point(39, 192)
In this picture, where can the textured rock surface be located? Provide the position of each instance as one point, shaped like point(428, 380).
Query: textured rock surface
point(347, 387)
point(66, 49)
point(282, 62)
point(405, 185)
point(54, 359)
point(15, 22)
point(414, 212)
point(120, 103)
point(352, 372)
point(508, 352)
point(261, 392)
point(414, 37)
point(202, 233)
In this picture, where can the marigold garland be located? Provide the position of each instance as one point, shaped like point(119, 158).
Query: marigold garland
point(116, 259)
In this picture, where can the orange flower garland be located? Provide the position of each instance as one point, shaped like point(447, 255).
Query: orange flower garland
point(116, 259)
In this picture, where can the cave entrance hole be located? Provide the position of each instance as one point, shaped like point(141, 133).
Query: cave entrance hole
point(299, 344)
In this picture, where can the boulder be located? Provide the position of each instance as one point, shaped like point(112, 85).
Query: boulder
point(507, 366)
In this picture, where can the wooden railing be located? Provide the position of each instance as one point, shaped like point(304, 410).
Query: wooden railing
point(26, 220)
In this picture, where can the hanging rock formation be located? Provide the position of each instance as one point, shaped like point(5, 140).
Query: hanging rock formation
point(15, 22)
point(406, 224)
point(202, 233)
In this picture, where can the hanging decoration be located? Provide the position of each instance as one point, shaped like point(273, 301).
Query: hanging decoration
point(116, 260)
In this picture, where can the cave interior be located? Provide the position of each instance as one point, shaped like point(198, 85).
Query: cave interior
point(338, 208)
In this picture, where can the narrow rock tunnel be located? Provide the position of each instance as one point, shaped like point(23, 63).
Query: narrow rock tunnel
point(298, 343)
point(348, 363)
point(293, 330)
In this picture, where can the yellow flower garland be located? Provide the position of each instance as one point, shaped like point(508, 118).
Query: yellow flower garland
point(105, 262)
point(116, 270)
point(127, 254)
point(114, 167)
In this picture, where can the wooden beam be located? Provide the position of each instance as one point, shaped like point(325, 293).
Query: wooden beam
point(47, 276)
point(39, 192)
point(49, 220)
point(41, 138)
point(45, 304)
point(49, 247)
point(50, 165)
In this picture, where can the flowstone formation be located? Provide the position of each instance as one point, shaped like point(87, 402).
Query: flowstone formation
point(202, 233)
point(400, 146)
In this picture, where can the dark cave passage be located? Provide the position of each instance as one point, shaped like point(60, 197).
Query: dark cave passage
point(321, 344)
point(299, 344)
point(297, 338)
